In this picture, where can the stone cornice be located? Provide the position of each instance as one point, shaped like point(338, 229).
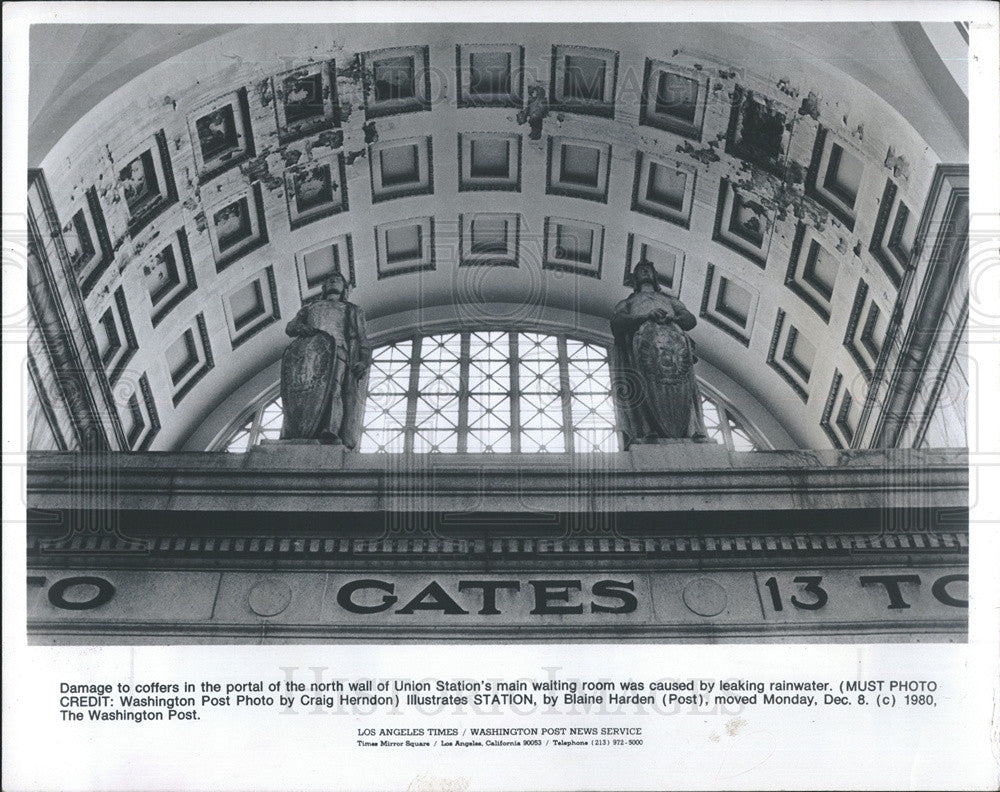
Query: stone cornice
point(675, 478)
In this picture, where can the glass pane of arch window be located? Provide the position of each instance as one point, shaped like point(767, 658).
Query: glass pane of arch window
point(490, 391)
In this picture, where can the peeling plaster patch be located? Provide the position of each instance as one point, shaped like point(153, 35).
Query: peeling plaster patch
point(785, 87)
point(706, 155)
point(782, 196)
point(810, 106)
point(201, 222)
point(257, 170)
point(168, 100)
point(264, 92)
point(727, 75)
point(371, 134)
point(355, 155)
point(352, 71)
point(857, 249)
point(897, 164)
point(290, 156)
point(332, 138)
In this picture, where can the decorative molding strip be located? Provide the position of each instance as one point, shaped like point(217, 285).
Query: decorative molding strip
point(946, 213)
point(779, 322)
point(876, 246)
point(207, 365)
point(732, 548)
point(154, 416)
point(103, 242)
point(850, 341)
point(831, 399)
point(131, 345)
point(50, 310)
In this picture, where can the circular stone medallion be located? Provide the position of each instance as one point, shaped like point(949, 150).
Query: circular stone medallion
point(705, 597)
point(269, 597)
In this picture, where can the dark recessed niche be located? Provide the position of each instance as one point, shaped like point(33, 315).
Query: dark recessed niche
point(146, 183)
point(306, 101)
point(236, 226)
point(114, 337)
point(812, 273)
point(489, 75)
point(489, 161)
point(396, 80)
point(584, 80)
point(489, 239)
point(673, 99)
point(401, 168)
point(831, 400)
point(892, 239)
point(578, 168)
point(573, 246)
point(663, 189)
point(405, 246)
point(728, 305)
point(89, 270)
point(757, 131)
point(315, 190)
point(866, 329)
point(789, 365)
point(189, 358)
point(222, 135)
point(252, 307)
point(834, 178)
point(170, 277)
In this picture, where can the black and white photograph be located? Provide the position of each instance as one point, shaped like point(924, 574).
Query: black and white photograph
point(513, 332)
point(574, 439)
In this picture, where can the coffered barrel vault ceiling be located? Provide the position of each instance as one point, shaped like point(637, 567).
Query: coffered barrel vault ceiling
point(779, 193)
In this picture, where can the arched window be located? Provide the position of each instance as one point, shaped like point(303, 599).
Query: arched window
point(490, 392)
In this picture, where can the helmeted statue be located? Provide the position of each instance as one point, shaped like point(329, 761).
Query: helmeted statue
point(652, 364)
point(324, 371)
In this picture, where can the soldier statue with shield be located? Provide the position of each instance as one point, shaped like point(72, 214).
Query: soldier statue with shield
point(324, 370)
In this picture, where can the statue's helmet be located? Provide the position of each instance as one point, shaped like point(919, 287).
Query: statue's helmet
point(334, 278)
point(645, 270)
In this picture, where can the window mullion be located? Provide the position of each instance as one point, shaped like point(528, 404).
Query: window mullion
point(564, 392)
point(515, 396)
point(463, 394)
point(255, 432)
point(411, 397)
point(727, 435)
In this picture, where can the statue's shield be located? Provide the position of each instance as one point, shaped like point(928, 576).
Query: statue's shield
point(306, 382)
